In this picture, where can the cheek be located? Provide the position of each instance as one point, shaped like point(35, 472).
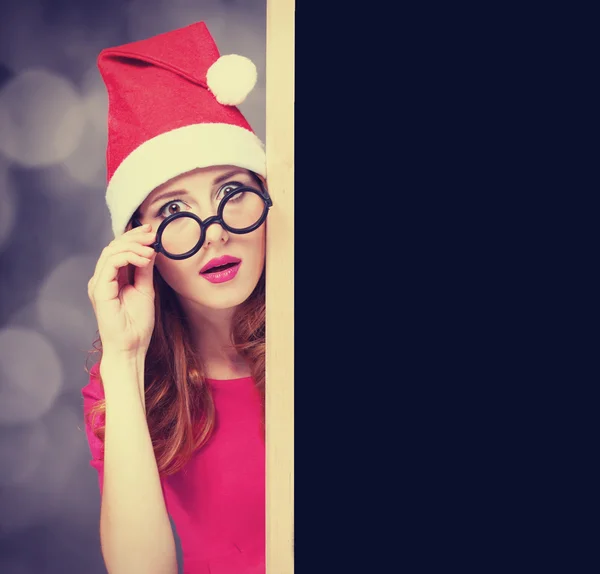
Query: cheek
point(252, 248)
point(174, 272)
point(258, 244)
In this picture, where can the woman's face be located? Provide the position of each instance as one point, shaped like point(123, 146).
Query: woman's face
point(200, 191)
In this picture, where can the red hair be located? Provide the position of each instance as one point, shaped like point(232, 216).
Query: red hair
point(179, 406)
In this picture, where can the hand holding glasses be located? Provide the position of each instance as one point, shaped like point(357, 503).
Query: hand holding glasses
point(182, 234)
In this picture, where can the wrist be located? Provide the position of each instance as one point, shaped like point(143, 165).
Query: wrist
point(123, 378)
point(122, 358)
point(117, 365)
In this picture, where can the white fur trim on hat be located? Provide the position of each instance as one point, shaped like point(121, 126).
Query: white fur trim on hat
point(231, 78)
point(173, 153)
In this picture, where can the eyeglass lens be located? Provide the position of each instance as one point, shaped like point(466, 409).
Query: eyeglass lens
point(241, 210)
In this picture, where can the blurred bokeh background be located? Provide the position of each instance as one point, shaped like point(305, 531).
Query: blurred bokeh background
point(53, 226)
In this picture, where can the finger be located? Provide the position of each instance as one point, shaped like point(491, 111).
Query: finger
point(134, 230)
point(119, 246)
point(142, 235)
point(107, 285)
point(90, 288)
point(144, 278)
point(135, 246)
point(99, 265)
point(141, 229)
point(134, 233)
point(137, 239)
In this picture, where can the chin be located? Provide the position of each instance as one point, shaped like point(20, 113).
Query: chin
point(225, 299)
point(223, 303)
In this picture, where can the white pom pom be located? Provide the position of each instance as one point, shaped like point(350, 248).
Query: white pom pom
point(231, 78)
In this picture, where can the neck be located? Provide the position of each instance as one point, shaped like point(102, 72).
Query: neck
point(212, 337)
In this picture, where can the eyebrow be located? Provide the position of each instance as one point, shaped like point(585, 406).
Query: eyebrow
point(184, 193)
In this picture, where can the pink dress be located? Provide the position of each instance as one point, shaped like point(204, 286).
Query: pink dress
point(217, 501)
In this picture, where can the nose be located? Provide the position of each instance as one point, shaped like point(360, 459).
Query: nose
point(215, 234)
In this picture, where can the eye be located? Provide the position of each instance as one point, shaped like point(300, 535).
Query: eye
point(228, 188)
point(169, 204)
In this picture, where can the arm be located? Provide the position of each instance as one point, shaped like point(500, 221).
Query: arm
point(135, 531)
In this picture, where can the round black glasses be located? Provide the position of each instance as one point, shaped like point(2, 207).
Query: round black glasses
point(182, 234)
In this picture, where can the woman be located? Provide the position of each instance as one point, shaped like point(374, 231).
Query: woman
point(174, 408)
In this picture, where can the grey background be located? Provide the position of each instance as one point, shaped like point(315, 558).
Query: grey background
point(53, 225)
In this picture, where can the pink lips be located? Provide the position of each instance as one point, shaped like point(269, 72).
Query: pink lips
point(219, 275)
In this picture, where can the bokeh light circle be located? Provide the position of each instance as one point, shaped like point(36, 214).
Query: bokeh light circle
point(64, 309)
point(42, 118)
point(31, 375)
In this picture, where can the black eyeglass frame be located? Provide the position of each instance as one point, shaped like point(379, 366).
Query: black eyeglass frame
point(204, 225)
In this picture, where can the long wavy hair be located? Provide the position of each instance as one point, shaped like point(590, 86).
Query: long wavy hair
point(179, 405)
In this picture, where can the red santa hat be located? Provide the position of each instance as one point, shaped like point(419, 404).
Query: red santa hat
point(172, 108)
